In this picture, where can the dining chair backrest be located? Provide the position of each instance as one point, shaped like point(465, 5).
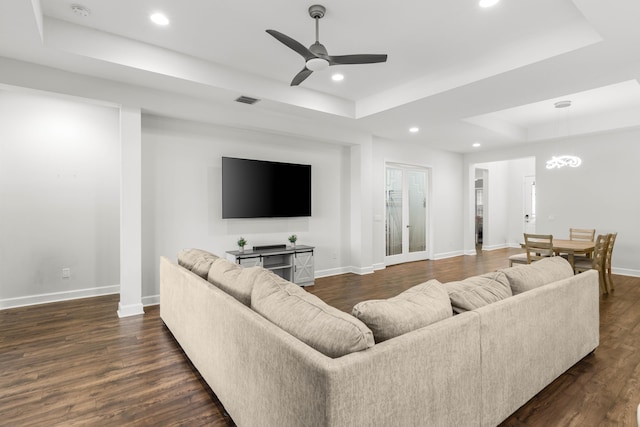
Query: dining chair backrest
point(607, 262)
point(538, 246)
point(586, 234)
point(600, 252)
point(609, 252)
point(597, 261)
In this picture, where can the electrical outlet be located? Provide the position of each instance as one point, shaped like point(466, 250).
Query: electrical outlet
point(66, 273)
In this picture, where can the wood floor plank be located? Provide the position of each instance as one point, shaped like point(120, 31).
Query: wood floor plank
point(75, 363)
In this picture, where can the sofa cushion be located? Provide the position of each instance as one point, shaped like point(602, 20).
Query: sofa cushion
point(526, 277)
point(308, 318)
point(478, 291)
point(197, 261)
point(234, 279)
point(413, 309)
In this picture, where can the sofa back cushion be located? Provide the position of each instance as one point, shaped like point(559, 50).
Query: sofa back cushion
point(478, 291)
point(196, 260)
point(413, 309)
point(308, 318)
point(234, 279)
point(530, 276)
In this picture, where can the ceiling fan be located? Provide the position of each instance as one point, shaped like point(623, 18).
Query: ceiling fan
point(316, 56)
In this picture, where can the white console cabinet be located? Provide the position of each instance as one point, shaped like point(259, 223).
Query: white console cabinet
point(294, 263)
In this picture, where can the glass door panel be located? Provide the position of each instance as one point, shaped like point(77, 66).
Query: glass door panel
point(394, 211)
point(417, 210)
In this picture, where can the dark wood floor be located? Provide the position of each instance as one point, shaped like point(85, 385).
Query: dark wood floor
point(75, 363)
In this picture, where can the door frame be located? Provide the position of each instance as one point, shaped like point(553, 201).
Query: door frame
point(410, 256)
point(524, 203)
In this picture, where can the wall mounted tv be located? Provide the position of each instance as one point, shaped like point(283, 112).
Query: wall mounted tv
point(262, 189)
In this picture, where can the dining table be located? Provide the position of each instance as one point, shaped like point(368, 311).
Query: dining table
point(572, 248)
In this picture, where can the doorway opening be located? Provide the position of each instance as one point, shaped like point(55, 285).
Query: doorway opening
point(501, 195)
point(481, 182)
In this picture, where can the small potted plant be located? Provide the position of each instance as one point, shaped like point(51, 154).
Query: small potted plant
point(292, 240)
point(241, 243)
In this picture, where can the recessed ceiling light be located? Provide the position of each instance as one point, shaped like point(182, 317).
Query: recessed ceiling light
point(159, 19)
point(414, 129)
point(488, 3)
point(337, 77)
point(476, 144)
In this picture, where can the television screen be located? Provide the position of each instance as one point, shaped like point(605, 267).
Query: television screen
point(261, 189)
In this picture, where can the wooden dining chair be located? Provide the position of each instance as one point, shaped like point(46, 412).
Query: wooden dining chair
point(583, 234)
point(536, 246)
point(597, 262)
point(607, 262)
point(586, 234)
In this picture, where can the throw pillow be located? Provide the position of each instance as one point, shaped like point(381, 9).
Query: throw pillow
point(530, 276)
point(308, 318)
point(478, 291)
point(234, 279)
point(196, 260)
point(413, 309)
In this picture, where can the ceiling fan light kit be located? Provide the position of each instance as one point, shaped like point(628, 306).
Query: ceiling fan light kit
point(317, 64)
point(316, 56)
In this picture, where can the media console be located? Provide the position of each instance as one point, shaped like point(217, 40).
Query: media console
point(291, 263)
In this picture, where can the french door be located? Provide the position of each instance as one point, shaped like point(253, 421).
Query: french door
point(406, 199)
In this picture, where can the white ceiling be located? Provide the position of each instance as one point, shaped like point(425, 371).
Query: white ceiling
point(461, 73)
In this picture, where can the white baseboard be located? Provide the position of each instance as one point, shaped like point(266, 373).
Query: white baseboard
point(626, 272)
point(130, 310)
point(331, 272)
point(379, 266)
point(151, 300)
point(499, 246)
point(448, 255)
point(58, 296)
point(361, 270)
point(350, 269)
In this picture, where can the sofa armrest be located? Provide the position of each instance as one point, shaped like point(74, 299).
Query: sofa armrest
point(530, 339)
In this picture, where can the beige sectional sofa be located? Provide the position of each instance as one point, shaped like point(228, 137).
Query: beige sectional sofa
point(276, 355)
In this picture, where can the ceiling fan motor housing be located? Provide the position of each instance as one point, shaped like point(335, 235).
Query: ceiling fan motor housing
point(318, 49)
point(317, 11)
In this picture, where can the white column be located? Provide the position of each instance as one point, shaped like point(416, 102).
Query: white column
point(130, 213)
point(362, 208)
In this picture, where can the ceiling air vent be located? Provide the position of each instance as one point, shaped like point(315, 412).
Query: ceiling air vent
point(247, 100)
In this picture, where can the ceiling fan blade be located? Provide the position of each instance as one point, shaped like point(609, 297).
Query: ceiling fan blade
point(291, 43)
point(301, 76)
point(356, 59)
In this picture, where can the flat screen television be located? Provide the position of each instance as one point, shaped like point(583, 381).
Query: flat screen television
point(263, 189)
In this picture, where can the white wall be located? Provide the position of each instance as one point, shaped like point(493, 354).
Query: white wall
point(59, 198)
point(181, 194)
point(445, 231)
point(599, 194)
